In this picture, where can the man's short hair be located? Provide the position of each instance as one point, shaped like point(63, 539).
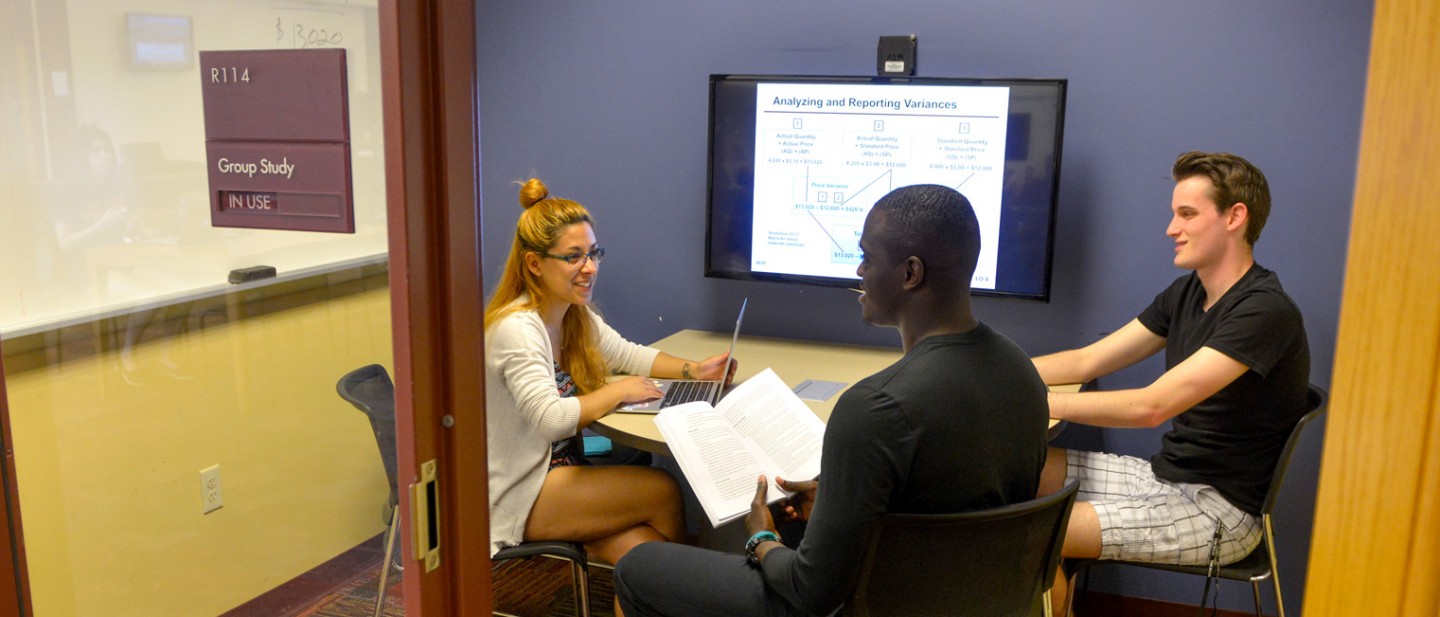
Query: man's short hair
point(1233, 180)
point(936, 224)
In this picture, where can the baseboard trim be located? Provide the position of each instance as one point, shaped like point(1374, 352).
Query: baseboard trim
point(1097, 604)
point(310, 587)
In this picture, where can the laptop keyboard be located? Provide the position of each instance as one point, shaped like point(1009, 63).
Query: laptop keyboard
point(687, 391)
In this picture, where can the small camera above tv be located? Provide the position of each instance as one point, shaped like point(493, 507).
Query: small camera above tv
point(159, 42)
point(796, 162)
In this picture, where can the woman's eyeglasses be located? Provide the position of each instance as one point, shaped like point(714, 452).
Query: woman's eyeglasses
point(579, 259)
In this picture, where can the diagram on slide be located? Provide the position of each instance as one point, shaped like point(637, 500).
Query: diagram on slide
point(824, 154)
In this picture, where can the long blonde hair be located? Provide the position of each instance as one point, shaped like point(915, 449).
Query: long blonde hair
point(544, 219)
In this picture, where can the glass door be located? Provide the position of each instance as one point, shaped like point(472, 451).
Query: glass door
point(179, 444)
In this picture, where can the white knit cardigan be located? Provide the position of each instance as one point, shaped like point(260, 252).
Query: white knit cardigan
point(524, 413)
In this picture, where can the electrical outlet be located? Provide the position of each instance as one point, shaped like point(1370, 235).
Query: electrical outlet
point(210, 496)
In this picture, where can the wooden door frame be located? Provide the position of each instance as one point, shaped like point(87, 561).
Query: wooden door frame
point(428, 69)
point(1375, 548)
point(14, 599)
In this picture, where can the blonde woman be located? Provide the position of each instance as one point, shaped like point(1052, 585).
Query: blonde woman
point(548, 361)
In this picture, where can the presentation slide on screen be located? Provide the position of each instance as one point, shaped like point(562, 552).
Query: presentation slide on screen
point(825, 153)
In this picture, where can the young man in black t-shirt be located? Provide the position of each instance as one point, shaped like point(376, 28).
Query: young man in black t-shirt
point(956, 425)
point(1237, 371)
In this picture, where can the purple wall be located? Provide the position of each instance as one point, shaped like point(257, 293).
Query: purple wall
point(607, 103)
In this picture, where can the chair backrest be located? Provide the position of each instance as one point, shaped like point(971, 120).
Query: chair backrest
point(991, 563)
point(370, 390)
point(1317, 398)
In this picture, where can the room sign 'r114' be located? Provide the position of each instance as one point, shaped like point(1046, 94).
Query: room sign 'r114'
point(277, 139)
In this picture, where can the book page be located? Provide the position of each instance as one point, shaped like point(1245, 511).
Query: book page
point(719, 467)
point(778, 424)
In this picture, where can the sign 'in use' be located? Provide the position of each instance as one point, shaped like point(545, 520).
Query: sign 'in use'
point(277, 139)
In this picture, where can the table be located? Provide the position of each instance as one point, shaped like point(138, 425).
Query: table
point(793, 360)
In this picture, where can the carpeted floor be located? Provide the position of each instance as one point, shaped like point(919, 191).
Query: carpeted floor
point(357, 597)
point(536, 587)
point(540, 587)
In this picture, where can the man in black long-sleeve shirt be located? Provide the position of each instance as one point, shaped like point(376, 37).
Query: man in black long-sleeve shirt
point(958, 424)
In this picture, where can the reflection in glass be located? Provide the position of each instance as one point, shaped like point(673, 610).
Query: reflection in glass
point(132, 363)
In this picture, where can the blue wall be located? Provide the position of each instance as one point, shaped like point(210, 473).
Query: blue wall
point(607, 102)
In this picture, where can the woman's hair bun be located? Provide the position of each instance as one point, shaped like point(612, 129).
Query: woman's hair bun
point(532, 192)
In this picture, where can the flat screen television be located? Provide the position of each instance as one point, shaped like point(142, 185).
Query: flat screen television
point(796, 163)
point(159, 42)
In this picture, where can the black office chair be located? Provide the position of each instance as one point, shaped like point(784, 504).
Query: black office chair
point(992, 563)
point(1260, 564)
point(573, 552)
point(370, 390)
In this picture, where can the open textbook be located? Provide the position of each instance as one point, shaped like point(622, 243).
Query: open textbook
point(760, 427)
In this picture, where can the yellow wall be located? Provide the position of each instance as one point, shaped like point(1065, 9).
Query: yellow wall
point(109, 470)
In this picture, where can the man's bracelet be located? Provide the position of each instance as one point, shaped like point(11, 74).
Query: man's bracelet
point(685, 371)
point(754, 542)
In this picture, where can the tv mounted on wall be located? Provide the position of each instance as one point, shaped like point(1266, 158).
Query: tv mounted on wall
point(796, 163)
point(159, 42)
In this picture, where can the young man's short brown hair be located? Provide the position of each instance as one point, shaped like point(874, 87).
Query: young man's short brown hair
point(1233, 180)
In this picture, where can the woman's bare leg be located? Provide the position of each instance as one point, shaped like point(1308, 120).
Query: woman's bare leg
point(609, 508)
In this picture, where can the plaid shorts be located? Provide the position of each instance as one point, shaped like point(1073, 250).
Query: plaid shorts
point(1144, 518)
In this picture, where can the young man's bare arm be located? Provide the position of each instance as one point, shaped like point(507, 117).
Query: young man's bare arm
point(1128, 345)
point(1202, 374)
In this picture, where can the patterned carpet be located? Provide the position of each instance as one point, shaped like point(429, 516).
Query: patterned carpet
point(536, 587)
point(540, 587)
point(357, 597)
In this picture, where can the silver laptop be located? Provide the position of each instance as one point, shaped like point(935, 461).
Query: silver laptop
point(679, 391)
